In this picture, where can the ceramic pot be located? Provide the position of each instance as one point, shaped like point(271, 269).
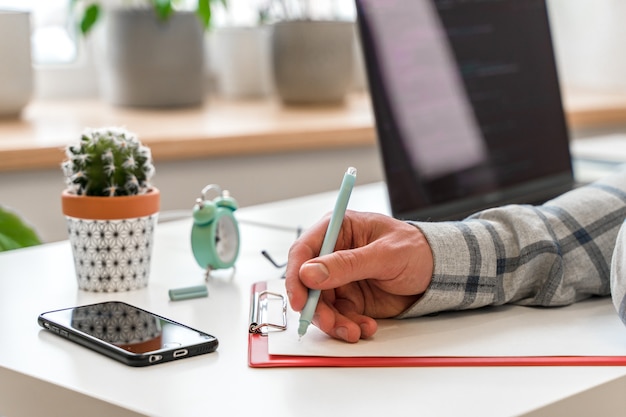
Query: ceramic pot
point(111, 239)
point(313, 60)
point(240, 58)
point(153, 63)
point(16, 71)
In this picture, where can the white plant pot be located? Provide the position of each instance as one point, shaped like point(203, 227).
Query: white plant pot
point(240, 58)
point(16, 73)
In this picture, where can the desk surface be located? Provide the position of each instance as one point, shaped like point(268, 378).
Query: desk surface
point(72, 381)
point(223, 127)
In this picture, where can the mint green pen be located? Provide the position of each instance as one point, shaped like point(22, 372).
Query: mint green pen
point(328, 246)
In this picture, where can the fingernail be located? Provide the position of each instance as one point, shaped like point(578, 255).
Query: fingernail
point(315, 271)
point(342, 333)
point(364, 329)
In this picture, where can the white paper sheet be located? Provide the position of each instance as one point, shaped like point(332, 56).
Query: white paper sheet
point(587, 328)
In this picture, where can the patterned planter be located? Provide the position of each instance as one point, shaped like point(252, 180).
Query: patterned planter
point(111, 239)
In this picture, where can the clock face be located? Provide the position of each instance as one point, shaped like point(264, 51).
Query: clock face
point(226, 239)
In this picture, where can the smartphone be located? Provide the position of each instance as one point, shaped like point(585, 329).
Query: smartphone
point(128, 334)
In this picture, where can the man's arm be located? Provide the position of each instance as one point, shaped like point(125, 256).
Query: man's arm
point(548, 255)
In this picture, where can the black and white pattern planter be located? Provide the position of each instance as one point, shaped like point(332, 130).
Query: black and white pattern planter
point(111, 239)
point(112, 255)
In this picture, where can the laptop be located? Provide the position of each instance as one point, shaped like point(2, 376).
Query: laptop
point(467, 104)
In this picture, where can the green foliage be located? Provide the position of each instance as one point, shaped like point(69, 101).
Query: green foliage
point(108, 162)
point(91, 11)
point(14, 233)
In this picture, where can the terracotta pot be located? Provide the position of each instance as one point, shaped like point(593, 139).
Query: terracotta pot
point(111, 239)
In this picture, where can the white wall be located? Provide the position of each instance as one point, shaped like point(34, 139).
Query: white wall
point(250, 179)
point(589, 38)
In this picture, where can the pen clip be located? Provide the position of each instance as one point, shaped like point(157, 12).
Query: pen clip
point(259, 312)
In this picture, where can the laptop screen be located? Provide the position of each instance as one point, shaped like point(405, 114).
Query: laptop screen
point(467, 104)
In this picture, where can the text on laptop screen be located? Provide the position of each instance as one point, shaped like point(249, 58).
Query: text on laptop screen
point(466, 99)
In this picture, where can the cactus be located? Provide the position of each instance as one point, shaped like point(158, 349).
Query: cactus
point(108, 162)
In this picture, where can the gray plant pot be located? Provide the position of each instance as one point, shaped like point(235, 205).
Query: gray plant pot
point(313, 60)
point(153, 63)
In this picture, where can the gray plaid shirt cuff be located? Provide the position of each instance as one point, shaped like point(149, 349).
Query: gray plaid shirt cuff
point(548, 255)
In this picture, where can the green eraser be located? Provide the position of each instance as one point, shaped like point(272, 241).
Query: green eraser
point(186, 293)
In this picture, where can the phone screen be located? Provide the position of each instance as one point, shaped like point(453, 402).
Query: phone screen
point(127, 333)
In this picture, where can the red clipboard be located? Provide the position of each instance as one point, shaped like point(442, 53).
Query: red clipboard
point(259, 357)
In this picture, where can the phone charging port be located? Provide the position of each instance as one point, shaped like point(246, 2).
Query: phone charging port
point(180, 352)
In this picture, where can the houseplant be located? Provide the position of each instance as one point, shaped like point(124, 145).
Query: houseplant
point(14, 232)
point(150, 52)
point(239, 52)
point(111, 209)
point(312, 57)
point(91, 10)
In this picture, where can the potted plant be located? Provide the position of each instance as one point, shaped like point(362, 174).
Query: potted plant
point(240, 53)
point(152, 54)
point(111, 209)
point(312, 58)
point(14, 232)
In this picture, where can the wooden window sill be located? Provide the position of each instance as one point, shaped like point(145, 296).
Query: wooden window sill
point(226, 128)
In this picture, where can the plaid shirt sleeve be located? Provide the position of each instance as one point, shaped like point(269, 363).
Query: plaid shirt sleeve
point(549, 255)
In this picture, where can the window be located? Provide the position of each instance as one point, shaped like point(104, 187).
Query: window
point(63, 61)
point(53, 40)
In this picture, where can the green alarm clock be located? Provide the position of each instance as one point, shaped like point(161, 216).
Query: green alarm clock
point(215, 237)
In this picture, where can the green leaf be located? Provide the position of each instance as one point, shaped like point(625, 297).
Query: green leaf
point(163, 8)
point(92, 12)
point(204, 12)
point(14, 233)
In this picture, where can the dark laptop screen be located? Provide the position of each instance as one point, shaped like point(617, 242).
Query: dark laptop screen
point(467, 103)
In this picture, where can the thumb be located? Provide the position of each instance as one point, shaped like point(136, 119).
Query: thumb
point(340, 268)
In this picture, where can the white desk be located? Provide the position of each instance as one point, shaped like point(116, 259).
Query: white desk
point(42, 374)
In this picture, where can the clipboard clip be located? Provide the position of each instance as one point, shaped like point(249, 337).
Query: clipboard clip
point(259, 312)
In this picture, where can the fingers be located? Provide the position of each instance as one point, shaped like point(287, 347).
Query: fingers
point(342, 268)
point(391, 258)
point(296, 291)
point(400, 261)
point(305, 248)
point(349, 327)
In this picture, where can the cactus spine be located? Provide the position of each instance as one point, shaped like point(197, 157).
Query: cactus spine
point(108, 162)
